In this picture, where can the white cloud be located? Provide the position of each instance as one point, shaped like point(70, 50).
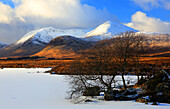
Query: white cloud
point(142, 22)
point(57, 13)
point(64, 13)
point(149, 4)
point(167, 5)
point(6, 13)
point(12, 32)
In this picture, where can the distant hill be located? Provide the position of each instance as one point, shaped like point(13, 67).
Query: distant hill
point(64, 47)
point(24, 49)
point(158, 43)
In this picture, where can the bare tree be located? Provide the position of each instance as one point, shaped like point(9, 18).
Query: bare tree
point(97, 68)
point(127, 49)
point(104, 61)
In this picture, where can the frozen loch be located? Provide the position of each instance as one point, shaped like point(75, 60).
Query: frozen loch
point(32, 89)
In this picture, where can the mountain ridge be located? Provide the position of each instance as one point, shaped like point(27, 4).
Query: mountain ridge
point(35, 41)
point(47, 34)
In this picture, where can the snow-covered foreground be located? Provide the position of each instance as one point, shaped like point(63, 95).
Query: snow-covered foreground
point(31, 89)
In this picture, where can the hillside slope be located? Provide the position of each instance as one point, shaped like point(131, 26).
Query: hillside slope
point(64, 47)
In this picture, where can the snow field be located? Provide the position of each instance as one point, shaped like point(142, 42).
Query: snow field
point(32, 89)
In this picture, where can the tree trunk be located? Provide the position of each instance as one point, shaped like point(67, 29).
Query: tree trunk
point(124, 83)
point(138, 77)
point(109, 88)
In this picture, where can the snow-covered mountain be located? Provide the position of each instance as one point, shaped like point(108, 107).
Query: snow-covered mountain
point(45, 35)
point(2, 45)
point(107, 30)
point(36, 40)
point(103, 31)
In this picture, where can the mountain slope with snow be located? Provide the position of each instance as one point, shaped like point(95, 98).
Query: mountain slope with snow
point(34, 41)
point(2, 45)
point(45, 35)
point(106, 31)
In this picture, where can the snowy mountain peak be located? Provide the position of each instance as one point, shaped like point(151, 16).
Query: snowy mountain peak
point(104, 31)
point(45, 35)
point(107, 30)
point(2, 45)
point(28, 36)
point(101, 29)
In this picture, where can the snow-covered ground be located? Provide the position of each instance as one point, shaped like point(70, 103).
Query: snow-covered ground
point(31, 89)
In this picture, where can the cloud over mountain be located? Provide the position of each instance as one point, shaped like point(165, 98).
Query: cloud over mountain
point(5, 13)
point(57, 13)
point(142, 22)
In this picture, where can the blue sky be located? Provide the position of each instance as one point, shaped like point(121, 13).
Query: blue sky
point(9, 2)
point(121, 8)
point(27, 15)
point(125, 8)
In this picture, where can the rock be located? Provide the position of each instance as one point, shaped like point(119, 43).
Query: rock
point(92, 91)
point(143, 99)
point(157, 82)
point(130, 91)
point(88, 100)
point(158, 88)
point(146, 102)
point(154, 103)
point(111, 95)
